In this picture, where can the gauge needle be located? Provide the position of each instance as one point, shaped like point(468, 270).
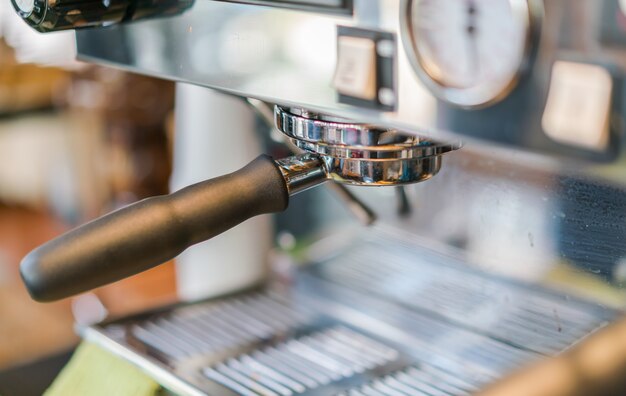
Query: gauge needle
point(472, 39)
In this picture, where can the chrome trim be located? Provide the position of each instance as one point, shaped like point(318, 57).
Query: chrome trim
point(353, 140)
point(361, 154)
point(387, 152)
point(382, 172)
point(344, 6)
point(316, 128)
point(302, 172)
point(55, 15)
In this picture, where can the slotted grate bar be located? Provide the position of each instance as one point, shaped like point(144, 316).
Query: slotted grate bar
point(419, 381)
point(216, 327)
point(504, 311)
point(301, 364)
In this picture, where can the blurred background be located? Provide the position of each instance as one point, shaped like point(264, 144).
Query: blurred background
point(76, 141)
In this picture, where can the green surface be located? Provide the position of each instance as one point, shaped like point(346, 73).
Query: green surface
point(92, 371)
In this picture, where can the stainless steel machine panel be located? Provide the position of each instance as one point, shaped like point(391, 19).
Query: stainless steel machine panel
point(290, 57)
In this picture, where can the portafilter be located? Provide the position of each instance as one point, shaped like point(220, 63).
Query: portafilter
point(157, 229)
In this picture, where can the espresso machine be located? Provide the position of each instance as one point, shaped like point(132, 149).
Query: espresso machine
point(512, 256)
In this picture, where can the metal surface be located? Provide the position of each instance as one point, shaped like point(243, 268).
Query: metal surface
point(502, 310)
point(346, 139)
point(361, 154)
point(54, 15)
point(331, 333)
point(289, 57)
point(381, 173)
point(302, 172)
point(330, 6)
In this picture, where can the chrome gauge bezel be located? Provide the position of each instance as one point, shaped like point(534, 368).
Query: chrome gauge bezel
point(530, 11)
point(35, 14)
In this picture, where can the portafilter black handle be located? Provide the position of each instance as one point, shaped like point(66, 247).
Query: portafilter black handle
point(152, 231)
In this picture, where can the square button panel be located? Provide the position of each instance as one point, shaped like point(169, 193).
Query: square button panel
point(579, 105)
point(365, 71)
point(356, 67)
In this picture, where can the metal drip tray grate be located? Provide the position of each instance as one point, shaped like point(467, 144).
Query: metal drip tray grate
point(301, 364)
point(382, 319)
point(216, 328)
point(531, 319)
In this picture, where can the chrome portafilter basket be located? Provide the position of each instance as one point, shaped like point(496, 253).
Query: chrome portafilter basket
point(157, 229)
point(360, 154)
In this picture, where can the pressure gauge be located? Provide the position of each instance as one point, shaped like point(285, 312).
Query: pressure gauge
point(470, 52)
point(25, 6)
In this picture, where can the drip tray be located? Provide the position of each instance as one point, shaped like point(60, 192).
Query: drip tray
point(376, 320)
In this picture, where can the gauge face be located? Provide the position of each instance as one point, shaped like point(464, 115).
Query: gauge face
point(26, 6)
point(470, 51)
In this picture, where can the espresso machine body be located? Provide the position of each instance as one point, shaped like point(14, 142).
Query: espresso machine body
point(296, 58)
point(512, 254)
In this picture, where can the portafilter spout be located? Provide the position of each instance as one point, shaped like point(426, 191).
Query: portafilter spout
point(155, 230)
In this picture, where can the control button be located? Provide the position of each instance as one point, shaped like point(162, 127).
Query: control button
point(366, 68)
point(578, 106)
point(355, 75)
